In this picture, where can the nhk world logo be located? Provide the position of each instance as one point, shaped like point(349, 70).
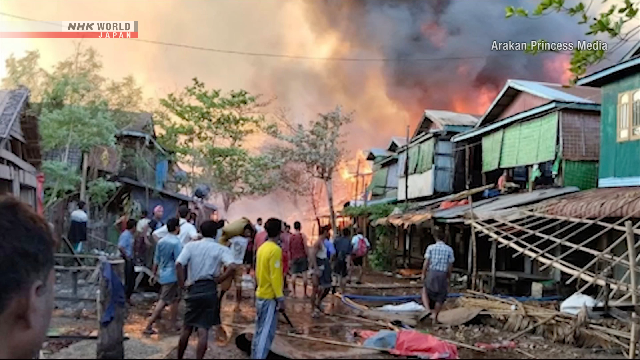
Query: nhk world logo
point(70, 29)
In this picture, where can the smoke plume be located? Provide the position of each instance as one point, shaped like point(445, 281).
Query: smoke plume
point(463, 74)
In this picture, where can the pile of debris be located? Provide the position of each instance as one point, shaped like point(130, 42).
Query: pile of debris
point(545, 320)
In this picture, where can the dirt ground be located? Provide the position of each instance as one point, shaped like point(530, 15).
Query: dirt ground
point(70, 319)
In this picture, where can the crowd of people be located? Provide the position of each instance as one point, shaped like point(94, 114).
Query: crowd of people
point(195, 265)
point(200, 266)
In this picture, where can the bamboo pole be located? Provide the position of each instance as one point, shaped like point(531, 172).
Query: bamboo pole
point(538, 251)
point(609, 248)
point(515, 336)
point(631, 248)
point(473, 250)
point(585, 221)
point(549, 237)
point(543, 260)
point(587, 225)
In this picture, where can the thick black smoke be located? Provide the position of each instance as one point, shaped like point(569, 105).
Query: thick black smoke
point(457, 30)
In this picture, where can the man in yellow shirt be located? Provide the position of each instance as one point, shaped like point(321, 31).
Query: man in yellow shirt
point(269, 295)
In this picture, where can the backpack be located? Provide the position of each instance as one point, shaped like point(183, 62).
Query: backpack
point(361, 249)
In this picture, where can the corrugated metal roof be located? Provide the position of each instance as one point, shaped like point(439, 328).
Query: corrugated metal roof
point(442, 117)
point(174, 195)
point(514, 200)
point(611, 73)
point(549, 91)
point(635, 51)
point(596, 203)
point(375, 153)
point(523, 116)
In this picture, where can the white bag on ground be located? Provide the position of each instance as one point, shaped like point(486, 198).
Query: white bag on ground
point(574, 303)
point(406, 307)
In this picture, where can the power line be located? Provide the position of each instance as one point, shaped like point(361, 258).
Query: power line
point(286, 56)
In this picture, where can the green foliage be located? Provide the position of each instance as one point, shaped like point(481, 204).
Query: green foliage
point(374, 212)
point(99, 191)
point(61, 180)
point(235, 173)
point(77, 108)
point(317, 146)
point(207, 130)
point(382, 258)
point(75, 126)
point(609, 22)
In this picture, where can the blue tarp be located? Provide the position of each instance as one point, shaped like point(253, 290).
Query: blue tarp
point(116, 289)
point(162, 169)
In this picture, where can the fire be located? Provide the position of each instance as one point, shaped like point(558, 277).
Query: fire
point(355, 176)
point(436, 34)
point(558, 67)
point(478, 104)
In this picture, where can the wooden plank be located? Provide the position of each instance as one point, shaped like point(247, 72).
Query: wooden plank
point(16, 160)
point(73, 251)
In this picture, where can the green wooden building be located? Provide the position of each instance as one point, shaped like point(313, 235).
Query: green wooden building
point(620, 121)
point(533, 127)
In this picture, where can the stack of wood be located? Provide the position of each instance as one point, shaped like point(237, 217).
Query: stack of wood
point(543, 319)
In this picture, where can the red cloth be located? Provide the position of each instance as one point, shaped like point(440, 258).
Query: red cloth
point(285, 238)
point(261, 237)
point(296, 246)
point(414, 343)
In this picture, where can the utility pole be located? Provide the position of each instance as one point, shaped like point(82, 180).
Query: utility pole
point(406, 173)
point(357, 182)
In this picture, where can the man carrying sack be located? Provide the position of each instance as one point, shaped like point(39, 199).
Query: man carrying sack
point(204, 260)
point(238, 247)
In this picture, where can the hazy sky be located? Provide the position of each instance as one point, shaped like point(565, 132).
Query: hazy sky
point(374, 90)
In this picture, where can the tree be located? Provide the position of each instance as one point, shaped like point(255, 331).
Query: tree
point(208, 131)
point(298, 183)
point(317, 147)
point(78, 109)
point(610, 23)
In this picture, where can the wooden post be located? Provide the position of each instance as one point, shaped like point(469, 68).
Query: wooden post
point(83, 183)
point(406, 174)
point(631, 250)
point(111, 336)
point(493, 266)
point(473, 255)
point(74, 280)
point(357, 182)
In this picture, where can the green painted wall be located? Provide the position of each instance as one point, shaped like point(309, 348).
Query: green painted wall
point(582, 174)
point(617, 159)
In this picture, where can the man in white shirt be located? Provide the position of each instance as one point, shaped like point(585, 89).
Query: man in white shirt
point(238, 247)
point(78, 229)
point(204, 259)
point(188, 231)
point(259, 227)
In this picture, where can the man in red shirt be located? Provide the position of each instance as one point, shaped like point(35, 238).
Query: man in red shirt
point(298, 253)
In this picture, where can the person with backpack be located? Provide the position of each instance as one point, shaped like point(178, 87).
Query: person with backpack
point(361, 247)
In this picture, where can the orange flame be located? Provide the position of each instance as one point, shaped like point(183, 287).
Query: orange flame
point(355, 175)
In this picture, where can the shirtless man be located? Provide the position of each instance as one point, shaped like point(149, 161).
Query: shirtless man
point(321, 271)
